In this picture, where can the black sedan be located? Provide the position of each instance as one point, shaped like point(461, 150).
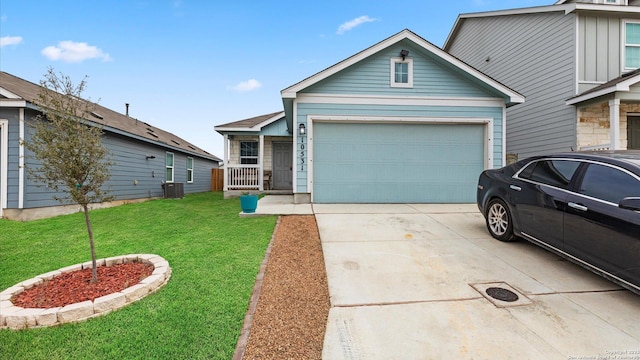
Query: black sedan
point(584, 206)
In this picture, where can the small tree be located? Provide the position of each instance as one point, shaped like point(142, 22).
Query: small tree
point(68, 148)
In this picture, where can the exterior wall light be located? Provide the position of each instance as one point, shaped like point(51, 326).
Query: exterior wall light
point(302, 129)
point(150, 157)
point(404, 53)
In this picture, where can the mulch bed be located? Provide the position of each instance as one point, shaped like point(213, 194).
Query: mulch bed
point(292, 311)
point(74, 287)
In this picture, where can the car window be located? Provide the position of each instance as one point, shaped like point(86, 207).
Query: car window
point(551, 172)
point(609, 184)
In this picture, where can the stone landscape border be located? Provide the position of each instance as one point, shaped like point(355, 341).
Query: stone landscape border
point(15, 317)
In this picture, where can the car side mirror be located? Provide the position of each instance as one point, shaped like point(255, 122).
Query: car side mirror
point(630, 203)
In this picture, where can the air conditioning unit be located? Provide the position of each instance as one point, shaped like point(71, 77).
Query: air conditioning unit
point(173, 190)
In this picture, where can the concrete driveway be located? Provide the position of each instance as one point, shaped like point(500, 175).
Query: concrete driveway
point(409, 282)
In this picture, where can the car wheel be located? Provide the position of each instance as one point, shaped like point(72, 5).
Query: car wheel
point(499, 221)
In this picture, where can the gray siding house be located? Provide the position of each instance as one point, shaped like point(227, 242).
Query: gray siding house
point(145, 158)
point(401, 121)
point(574, 62)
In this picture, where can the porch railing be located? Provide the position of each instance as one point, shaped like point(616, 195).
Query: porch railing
point(240, 177)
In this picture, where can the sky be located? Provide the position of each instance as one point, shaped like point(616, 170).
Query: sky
point(186, 66)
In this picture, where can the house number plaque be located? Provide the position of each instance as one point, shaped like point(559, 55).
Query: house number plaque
point(302, 153)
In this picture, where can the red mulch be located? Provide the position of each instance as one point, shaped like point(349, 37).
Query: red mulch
point(76, 286)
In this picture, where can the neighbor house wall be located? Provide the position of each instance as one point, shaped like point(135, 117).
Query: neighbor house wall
point(599, 50)
point(133, 176)
point(534, 54)
point(13, 154)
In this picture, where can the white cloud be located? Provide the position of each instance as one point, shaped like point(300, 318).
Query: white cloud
point(353, 23)
point(249, 85)
point(73, 52)
point(10, 40)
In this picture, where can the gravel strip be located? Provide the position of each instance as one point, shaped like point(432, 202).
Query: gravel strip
point(293, 305)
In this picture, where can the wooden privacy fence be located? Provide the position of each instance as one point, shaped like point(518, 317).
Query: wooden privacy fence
point(217, 179)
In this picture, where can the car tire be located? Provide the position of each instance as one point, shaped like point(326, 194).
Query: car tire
point(499, 221)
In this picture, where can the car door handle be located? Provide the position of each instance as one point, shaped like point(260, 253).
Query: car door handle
point(514, 187)
point(578, 206)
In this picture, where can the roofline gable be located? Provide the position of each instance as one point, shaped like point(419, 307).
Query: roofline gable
point(518, 11)
point(8, 94)
point(560, 6)
point(255, 128)
point(291, 92)
point(623, 86)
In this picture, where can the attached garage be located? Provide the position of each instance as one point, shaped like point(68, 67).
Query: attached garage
point(399, 122)
point(424, 162)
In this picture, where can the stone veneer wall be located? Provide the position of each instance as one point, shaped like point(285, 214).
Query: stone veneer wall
point(593, 124)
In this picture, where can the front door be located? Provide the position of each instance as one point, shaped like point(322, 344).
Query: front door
point(633, 132)
point(282, 165)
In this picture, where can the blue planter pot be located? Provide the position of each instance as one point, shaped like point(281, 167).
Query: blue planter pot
point(249, 203)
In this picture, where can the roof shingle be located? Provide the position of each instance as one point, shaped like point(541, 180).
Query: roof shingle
point(106, 117)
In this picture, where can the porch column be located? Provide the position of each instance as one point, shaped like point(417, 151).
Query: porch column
point(261, 164)
point(226, 163)
point(614, 124)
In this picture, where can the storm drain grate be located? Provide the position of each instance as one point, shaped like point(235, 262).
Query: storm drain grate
point(502, 294)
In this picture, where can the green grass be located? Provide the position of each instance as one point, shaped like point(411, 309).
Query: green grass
point(214, 255)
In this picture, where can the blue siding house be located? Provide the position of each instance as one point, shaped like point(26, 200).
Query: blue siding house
point(399, 122)
point(145, 158)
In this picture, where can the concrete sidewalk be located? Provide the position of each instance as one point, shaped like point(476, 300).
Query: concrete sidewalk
point(279, 205)
point(409, 281)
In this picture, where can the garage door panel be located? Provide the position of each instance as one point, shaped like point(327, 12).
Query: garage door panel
point(390, 163)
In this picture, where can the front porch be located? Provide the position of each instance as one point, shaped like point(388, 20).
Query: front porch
point(258, 156)
point(258, 164)
point(608, 125)
point(242, 179)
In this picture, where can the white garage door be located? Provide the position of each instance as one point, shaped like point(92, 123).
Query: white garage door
point(396, 163)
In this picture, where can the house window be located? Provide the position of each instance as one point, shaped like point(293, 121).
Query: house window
point(189, 169)
point(401, 73)
point(632, 45)
point(168, 175)
point(248, 152)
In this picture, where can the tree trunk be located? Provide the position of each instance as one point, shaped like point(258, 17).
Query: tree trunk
point(94, 268)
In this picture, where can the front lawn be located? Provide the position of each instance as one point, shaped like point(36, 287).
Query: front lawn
point(214, 255)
